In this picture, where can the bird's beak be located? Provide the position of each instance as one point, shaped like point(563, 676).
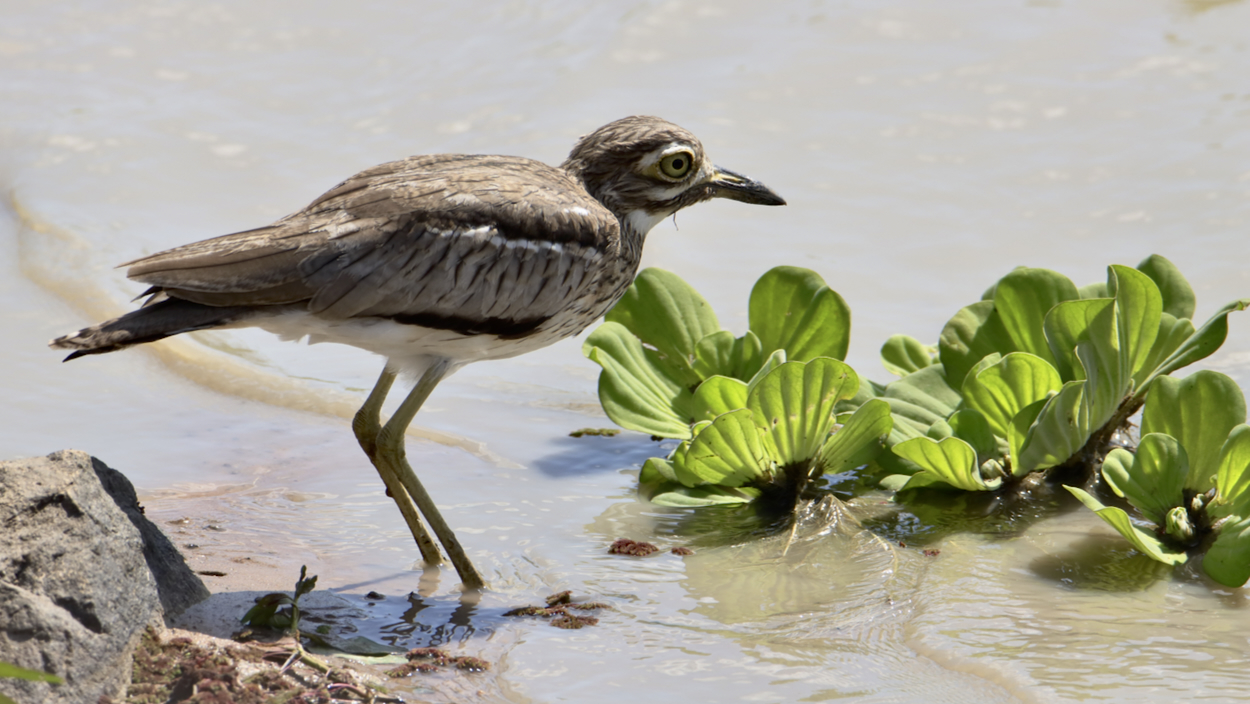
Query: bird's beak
point(727, 184)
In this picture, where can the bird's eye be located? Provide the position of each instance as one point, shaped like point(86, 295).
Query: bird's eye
point(677, 165)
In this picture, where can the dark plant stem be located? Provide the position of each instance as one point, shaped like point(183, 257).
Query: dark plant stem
point(1085, 462)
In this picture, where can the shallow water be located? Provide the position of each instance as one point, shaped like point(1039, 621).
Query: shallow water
point(924, 149)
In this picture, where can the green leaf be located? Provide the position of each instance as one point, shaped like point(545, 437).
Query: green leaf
point(1021, 424)
point(859, 440)
point(793, 309)
point(1227, 561)
point(1201, 344)
point(793, 405)
point(1139, 308)
point(720, 353)
point(774, 360)
point(667, 313)
point(696, 497)
point(714, 355)
point(1001, 390)
point(729, 452)
point(1059, 430)
point(21, 673)
point(902, 355)
point(942, 429)
point(971, 426)
point(1108, 376)
point(1178, 526)
point(894, 482)
point(1092, 322)
point(677, 461)
point(656, 470)
point(305, 584)
point(1023, 298)
point(927, 389)
point(1154, 480)
point(974, 332)
point(1094, 290)
point(1178, 296)
point(1232, 480)
point(1173, 333)
point(917, 401)
point(1085, 335)
point(952, 462)
point(633, 391)
point(986, 362)
point(1116, 518)
point(1199, 411)
point(357, 645)
point(718, 395)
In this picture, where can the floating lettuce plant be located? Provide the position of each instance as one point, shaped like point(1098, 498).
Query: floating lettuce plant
point(768, 438)
point(662, 340)
point(755, 412)
point(1038, 374)
point(1190, 477)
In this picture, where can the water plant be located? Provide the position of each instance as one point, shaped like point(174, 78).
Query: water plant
point(662, 340)
point(1189, 479)
point(1038, 374)
point(281, 612)
point(769, 438)
point(755, 413)
point(1039, 378)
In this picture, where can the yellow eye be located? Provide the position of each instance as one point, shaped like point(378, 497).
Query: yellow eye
point(677, 164)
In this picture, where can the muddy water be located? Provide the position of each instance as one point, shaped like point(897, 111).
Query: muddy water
point(924, 149)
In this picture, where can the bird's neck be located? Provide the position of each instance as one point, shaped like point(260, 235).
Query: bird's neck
point(635, 222)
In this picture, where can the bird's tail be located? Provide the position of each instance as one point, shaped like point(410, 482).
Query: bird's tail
point(155, 321)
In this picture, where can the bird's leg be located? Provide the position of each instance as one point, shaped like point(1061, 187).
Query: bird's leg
point(390, 450)
point(368, 425)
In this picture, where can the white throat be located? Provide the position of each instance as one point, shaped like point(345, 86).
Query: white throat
point(641, 221)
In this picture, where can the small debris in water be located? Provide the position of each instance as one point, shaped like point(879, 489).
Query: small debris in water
point(625, 546)
point(528, 611)
point(211, 573)
point(573, 622)
point(932, 552)
point(374, 596)
point(589, 606)
point(679, 550)
point(471, 664)
point(432, 659)
point(901, 544)
point(564, 597)
point(558, 605)
point(602, 432)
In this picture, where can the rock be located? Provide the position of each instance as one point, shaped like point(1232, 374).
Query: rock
point(176, 583)
point(77, 584)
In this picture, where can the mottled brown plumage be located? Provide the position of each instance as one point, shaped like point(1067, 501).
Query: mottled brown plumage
point(434, 262)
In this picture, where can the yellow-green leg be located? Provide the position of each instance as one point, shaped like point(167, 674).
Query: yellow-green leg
point(367, 425)
point(390, 452)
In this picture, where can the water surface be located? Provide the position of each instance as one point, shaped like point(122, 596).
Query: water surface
point(925, 149)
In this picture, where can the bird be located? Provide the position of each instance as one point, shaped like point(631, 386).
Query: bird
point(433, 262)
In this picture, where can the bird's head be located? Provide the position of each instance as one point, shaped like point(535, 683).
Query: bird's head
point(644, 169)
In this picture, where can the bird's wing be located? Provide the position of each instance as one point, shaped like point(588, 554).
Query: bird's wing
point(480, 243)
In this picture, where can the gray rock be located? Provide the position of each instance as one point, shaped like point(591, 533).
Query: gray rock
point(176, 583)
point(76, 588)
